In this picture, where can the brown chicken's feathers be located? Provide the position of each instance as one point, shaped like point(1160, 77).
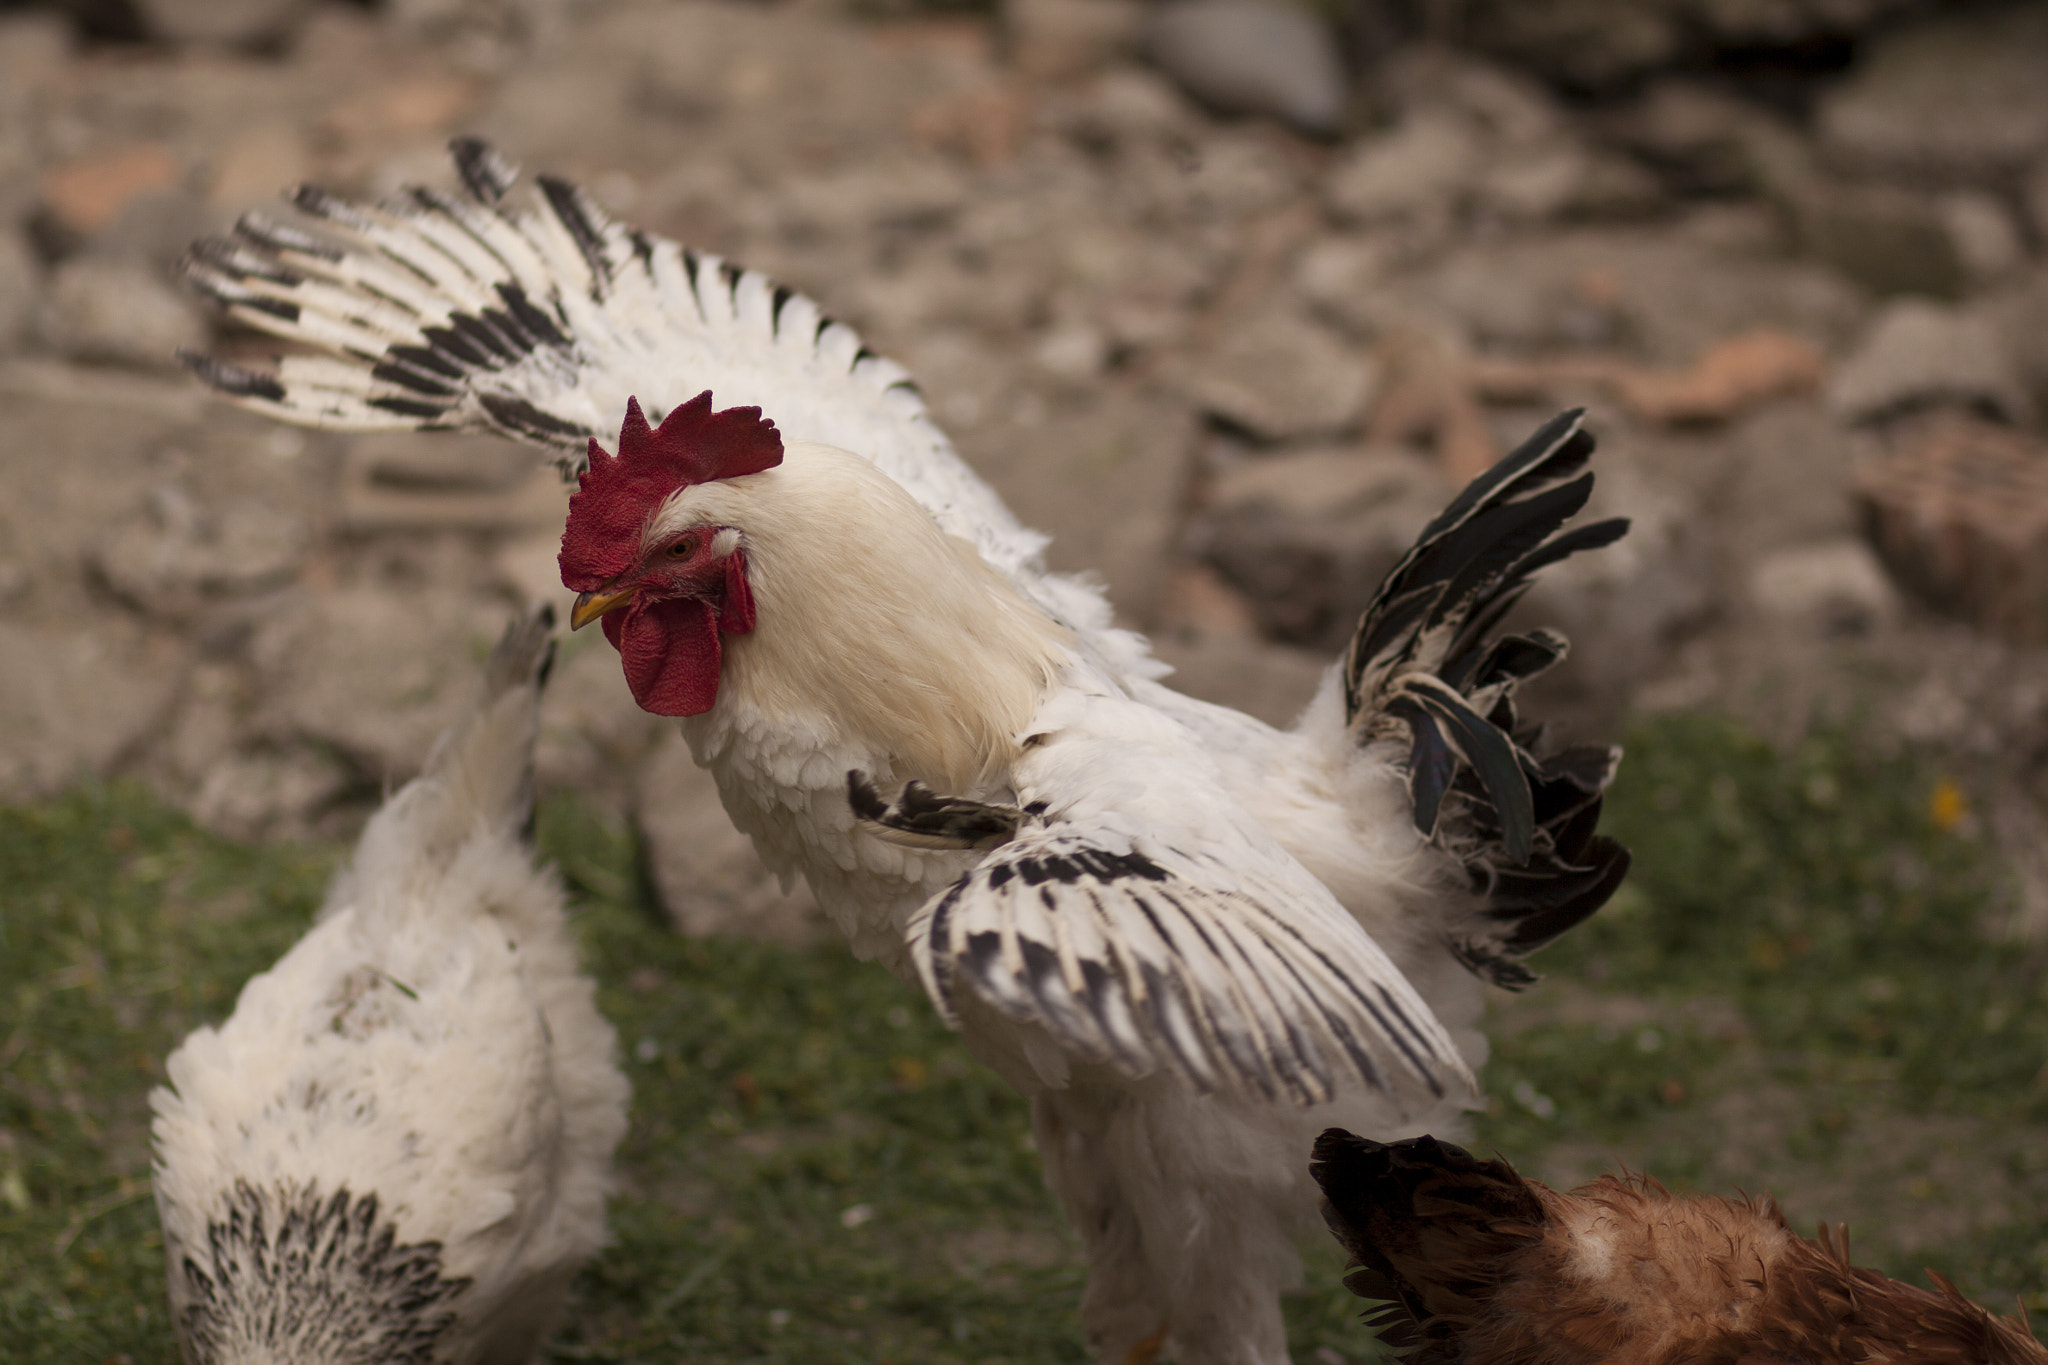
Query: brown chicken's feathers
point(1478, 1266)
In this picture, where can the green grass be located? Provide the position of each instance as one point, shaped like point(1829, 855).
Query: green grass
point(1792, 993)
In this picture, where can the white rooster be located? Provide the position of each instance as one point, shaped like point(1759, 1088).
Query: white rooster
point(398, 1147)
point(1192, 939)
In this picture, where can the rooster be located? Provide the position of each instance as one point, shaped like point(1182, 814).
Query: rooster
point(398, 1146)
point(1191, 939)
point(1478, 1266)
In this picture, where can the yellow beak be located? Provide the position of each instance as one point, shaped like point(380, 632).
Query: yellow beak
point(591, 605)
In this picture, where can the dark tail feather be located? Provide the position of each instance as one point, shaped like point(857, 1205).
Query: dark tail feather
point(1428, 1226)
point(1425, 659)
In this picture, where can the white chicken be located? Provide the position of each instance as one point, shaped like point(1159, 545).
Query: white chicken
point(1192, 939)
point(398, 1147)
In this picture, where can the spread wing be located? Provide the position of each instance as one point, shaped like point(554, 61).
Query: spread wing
point(538, 322)
point(1143, 920)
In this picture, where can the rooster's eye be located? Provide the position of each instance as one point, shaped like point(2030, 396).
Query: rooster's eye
point(683, 548)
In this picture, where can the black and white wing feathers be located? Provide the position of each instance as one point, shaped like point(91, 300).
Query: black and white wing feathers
point(460, 310)
point(1424, 663)
point(1145, 922)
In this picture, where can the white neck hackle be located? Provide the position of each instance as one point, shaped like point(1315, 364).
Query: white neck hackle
point(873, 626)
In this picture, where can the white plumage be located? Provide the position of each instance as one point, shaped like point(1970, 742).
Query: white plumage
point(398, 1147)
point(1192, 939)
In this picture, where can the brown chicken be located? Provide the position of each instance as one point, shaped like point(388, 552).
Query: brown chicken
point(1482, 1267)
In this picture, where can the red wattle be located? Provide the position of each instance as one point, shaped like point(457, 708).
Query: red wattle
point(670, 653)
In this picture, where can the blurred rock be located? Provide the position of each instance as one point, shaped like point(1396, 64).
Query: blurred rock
point(1666, 298)
point(709, 879)
point(159, 227)
point(218, 21)
point(75, 703)
point(1564, 179)
point(1895, 241)
point(1105, 476)
point(1957, 98)
point(269, 793)
point(262, 164)
point(1919, 353)
point(1835, 587)
point(1605, 44)
point(118, 310)
point(436, 480)
point(1252, 57)
point(1269, 681)
point(20, 285)
point(1282, 377)
point(82, 197)
point(2034, 197)
point(1336, 275)
point(1624, 607)
point(593, 736)
point(2019, 313)
point(1416, 171)
point(179, 551)
point(373, 672)
point(1985, 237)
point(1057, 39)
point(1307, 536)
point(1959, 514)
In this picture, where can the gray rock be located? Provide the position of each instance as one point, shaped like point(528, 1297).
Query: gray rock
point(1586, 43)
point(374, 673)
point(1890, 240)
point(1253, 57)
point(706, 872)
point(269, 793)
point(1104, 475)
point(1916, 353)
point(1605, 44)
point(1665, 296)
point(1307, 535)
point(1272, 682)
point(1058, 39)
point(1282, 377)
point(1835, 587)
point(1986, 238)
point(593, 736)
point(20, 284)
point(178, 552)
point(2034, 197)
point(1624, 607)
point(2019, 312)
point(117, 310)
point(75, 703)
point(1954, 98)
point(1416, 171)
point(434, 480)
point(218, 21)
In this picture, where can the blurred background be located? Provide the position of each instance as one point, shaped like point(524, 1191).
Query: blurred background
point(1227, 295)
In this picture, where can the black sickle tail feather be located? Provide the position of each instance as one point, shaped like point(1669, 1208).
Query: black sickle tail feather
point(1428, 1227)
point(1425, 659)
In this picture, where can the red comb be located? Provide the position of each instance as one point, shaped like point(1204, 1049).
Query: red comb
point(617, 493)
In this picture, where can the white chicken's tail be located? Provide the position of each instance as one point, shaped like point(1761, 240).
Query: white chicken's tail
point(478, 781)
point(1425, 666)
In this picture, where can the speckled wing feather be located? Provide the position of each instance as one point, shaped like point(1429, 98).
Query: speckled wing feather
point(460, 310)
point(1146, 922)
